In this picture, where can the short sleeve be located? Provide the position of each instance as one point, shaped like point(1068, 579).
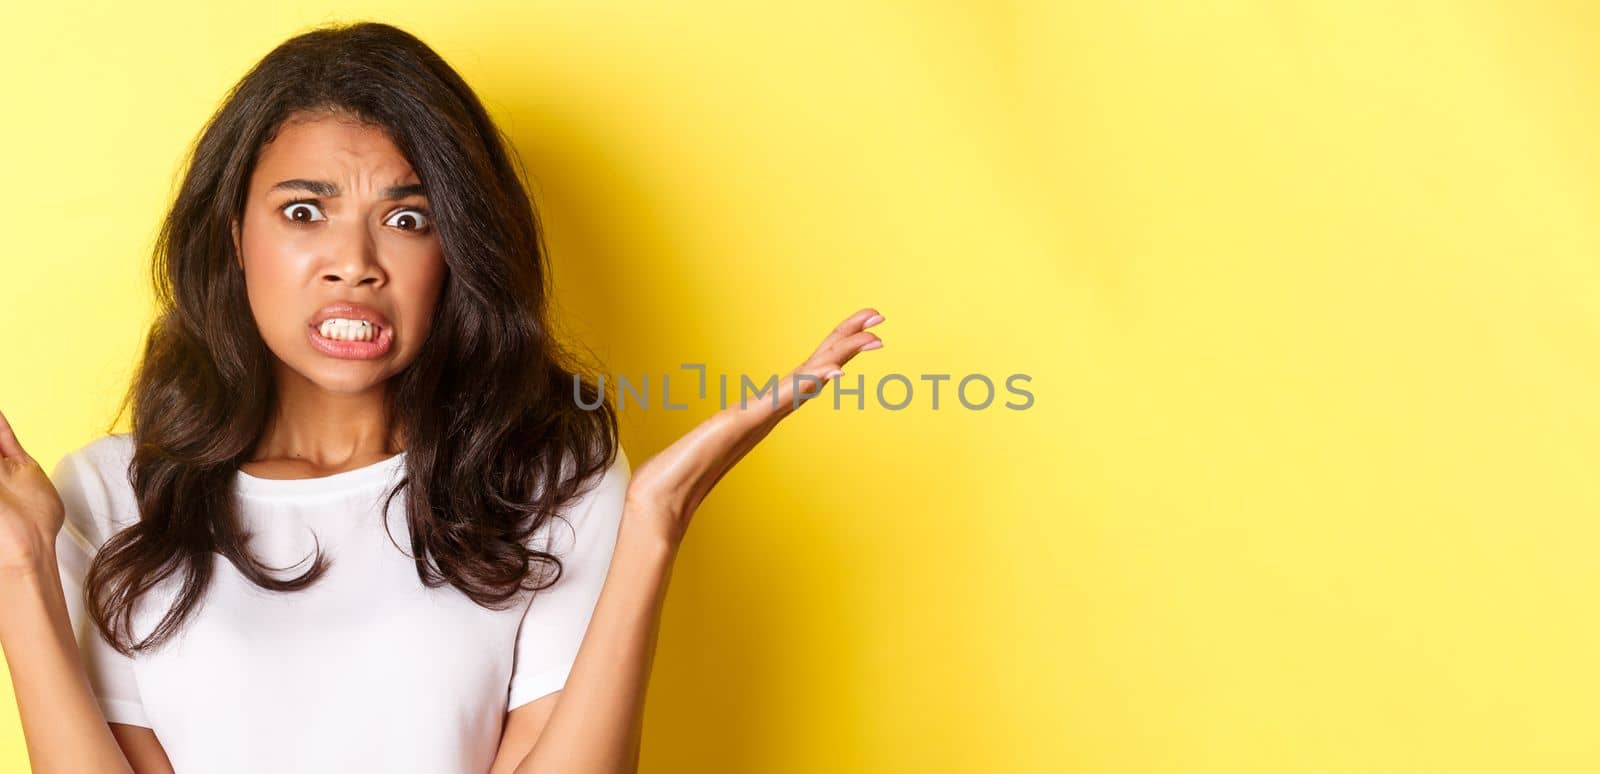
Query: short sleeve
point(86, 499)
point(556, 619)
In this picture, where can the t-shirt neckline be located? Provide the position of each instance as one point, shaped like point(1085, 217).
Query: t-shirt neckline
point(357, 479)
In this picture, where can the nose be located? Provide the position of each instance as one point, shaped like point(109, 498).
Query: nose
point(354, 260)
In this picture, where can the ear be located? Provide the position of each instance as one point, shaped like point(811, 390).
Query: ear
point(238, 255)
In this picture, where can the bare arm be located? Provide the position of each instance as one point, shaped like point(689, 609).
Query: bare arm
point(521, 730)
point(597, 724)
point(143, 749)
point(61, 722)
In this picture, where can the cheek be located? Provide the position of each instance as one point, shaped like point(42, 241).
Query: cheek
point(274, 271)
point(272, 308)
point(267, 278)
point(418, 283)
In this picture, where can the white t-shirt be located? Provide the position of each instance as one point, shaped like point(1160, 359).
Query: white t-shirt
point(365, 670)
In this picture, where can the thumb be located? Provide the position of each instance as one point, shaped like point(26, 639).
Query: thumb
point(10, 447)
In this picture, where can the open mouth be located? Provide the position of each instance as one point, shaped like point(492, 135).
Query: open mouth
point(351, 340)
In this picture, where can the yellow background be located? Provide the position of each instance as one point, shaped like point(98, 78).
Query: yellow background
point(1307, 292)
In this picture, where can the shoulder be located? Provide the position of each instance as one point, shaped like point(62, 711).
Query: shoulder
point(618, 472)
point(610, 483)
point(610, 477)
point(94, 486)
point(595, 513)
point(108, 451)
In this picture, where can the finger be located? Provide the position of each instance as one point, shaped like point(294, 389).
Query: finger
point(10, 447)
point(808, 380)
point(843, 350)
point(853, 324)
point(824, 365)
point(828, 364)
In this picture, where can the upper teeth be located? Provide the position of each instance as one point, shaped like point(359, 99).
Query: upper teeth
point(353, 330)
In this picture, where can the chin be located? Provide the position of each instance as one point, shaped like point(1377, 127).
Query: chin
point(354, 380)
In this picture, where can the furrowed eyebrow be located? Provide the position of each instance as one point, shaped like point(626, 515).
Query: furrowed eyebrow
point(402, 191)
point(324, 188)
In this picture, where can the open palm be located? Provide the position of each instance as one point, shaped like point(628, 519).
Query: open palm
point(671, 485)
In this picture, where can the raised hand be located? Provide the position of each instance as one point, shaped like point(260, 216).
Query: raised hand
point(668, 487)
point(30, 509)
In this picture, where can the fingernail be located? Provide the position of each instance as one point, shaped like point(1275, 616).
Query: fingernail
point(872, 345)
point(873, 320)
point(834, 374)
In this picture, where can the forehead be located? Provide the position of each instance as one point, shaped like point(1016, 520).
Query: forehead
point(331, 147)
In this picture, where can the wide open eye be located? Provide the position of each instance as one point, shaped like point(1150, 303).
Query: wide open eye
point(410, 219)
point(303, 212)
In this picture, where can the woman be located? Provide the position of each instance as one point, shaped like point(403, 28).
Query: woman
point(352, 374)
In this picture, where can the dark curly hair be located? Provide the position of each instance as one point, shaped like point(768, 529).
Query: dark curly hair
point(495, 442)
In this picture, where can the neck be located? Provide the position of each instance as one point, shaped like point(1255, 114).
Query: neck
point(328, 429)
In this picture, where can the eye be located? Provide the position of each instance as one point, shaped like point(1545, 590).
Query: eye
point(294, 211)
point(419, 219)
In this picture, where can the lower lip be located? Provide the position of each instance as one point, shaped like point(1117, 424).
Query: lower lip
point(352, 350)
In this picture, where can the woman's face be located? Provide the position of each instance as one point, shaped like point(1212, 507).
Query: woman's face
point(334, 213)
